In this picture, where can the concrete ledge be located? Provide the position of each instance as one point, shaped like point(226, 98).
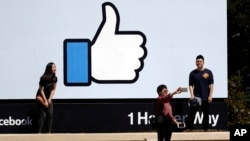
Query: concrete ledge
point(198, 136)
point(151, 136)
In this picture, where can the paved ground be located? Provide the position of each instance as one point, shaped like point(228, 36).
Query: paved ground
point(151, 136)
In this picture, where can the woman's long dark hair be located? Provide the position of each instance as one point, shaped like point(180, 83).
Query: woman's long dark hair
point(48, 74)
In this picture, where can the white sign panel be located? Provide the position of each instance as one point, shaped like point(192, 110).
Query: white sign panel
point(116, 49)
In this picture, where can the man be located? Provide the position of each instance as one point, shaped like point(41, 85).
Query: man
point(201, 85)
point(164, 108)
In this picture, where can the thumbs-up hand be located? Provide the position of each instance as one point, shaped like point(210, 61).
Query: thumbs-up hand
point(113, 56)
point(116, 55)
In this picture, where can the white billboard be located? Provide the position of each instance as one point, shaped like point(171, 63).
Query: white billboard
point(117, 49)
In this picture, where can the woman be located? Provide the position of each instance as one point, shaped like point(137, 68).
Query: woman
point(45, 93)
point(164, 108)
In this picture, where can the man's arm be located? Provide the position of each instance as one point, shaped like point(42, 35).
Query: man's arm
point(175, 92)
point(210, 96)
point(191, 90)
